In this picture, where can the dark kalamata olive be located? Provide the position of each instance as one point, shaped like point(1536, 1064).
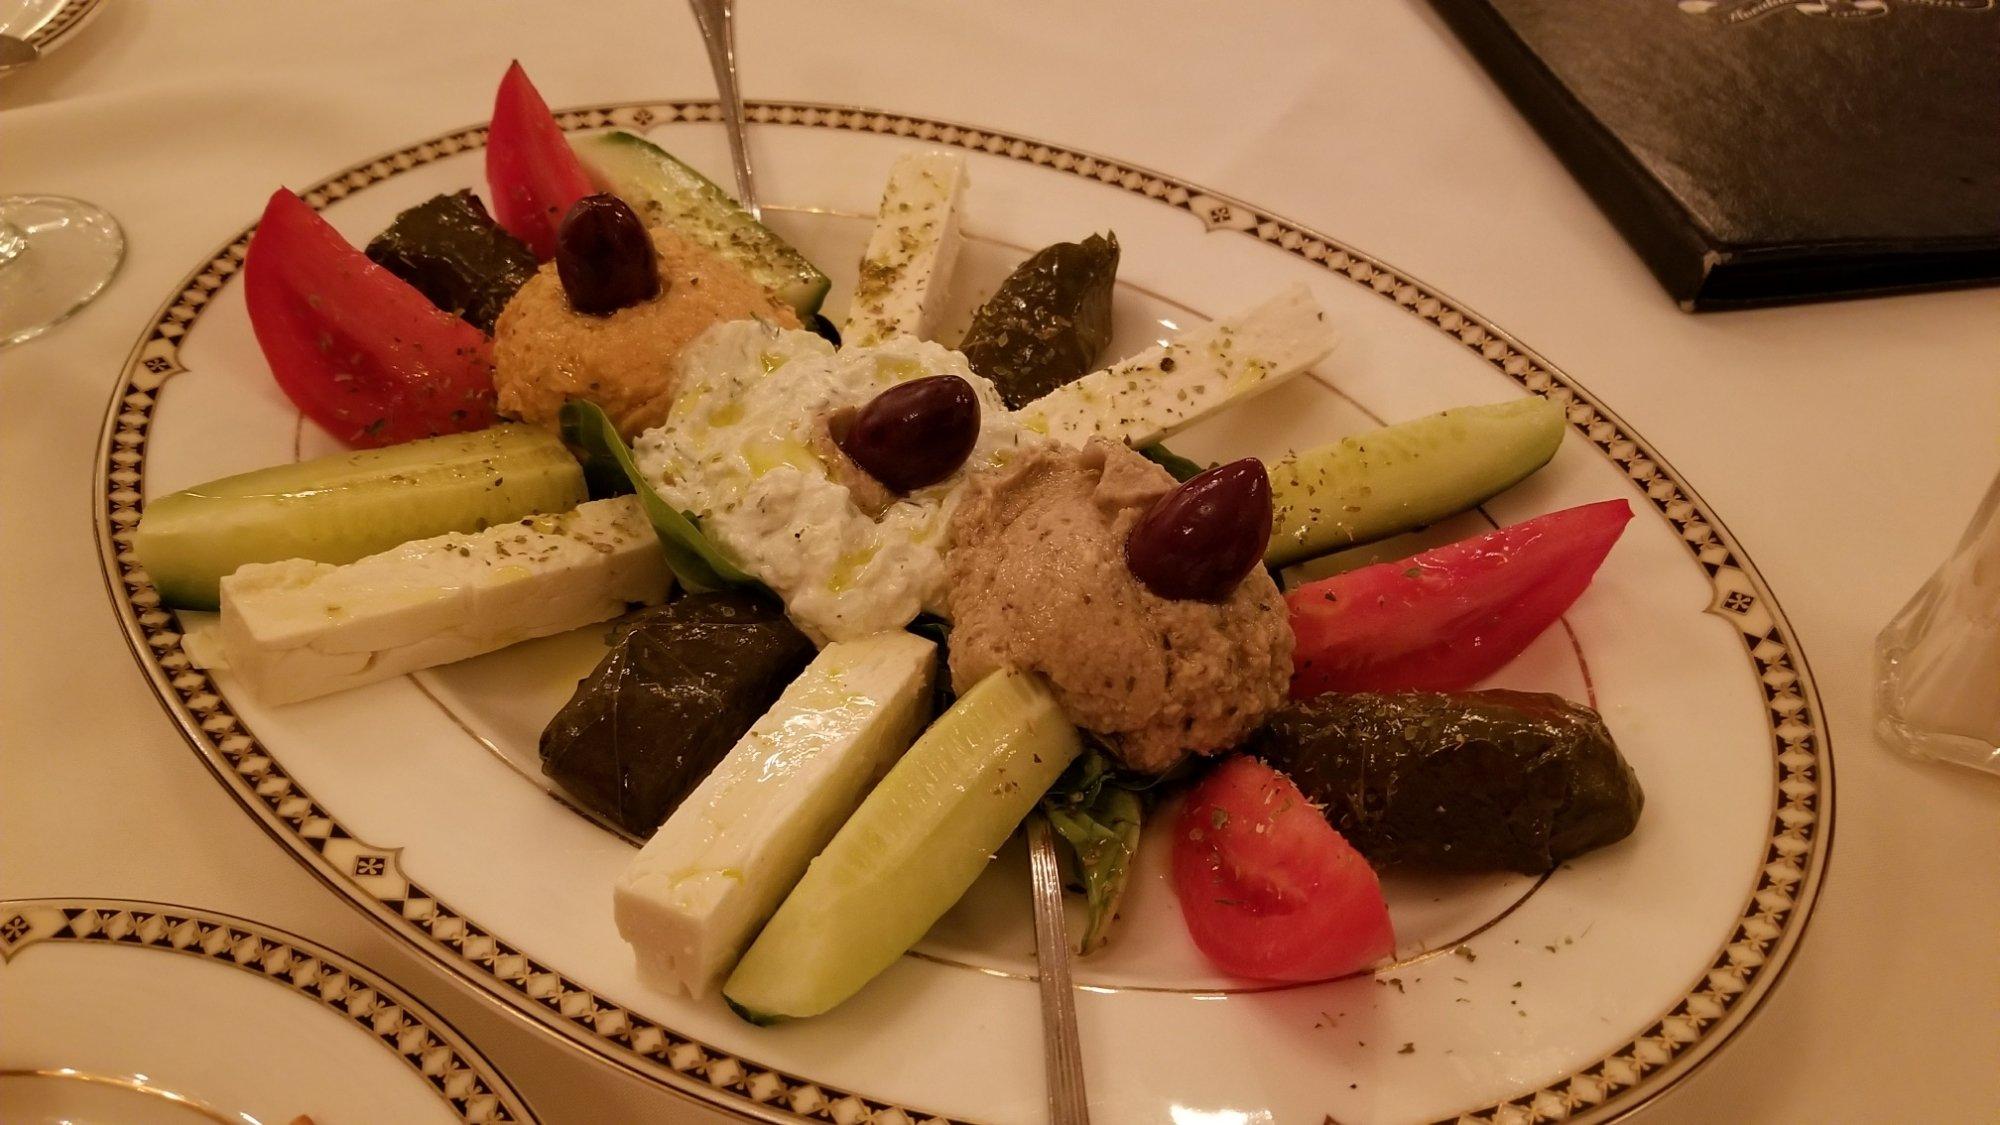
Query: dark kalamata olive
point(605, 257)
point(914, 433)
point(1198, 541)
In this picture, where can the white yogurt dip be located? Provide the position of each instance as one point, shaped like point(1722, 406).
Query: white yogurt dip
point(737, 451)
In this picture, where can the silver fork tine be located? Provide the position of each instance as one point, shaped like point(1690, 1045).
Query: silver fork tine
point(718, 30)
point(1062, 1053)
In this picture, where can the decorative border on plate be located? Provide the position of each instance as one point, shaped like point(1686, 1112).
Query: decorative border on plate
point(1741, 973)
point(1745, 11)
point(64, 20)
point(420, 1037)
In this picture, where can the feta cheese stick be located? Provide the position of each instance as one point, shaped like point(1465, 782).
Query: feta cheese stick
point(297, 629)
point(905, 271)
point(697, 893)
point(1165, 389)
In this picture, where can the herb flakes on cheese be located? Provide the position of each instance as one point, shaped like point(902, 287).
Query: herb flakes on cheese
point(1165, 389)
point(693, 898)
point(900, 290)
point(297, 629)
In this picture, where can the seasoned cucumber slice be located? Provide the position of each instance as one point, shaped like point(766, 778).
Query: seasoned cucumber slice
point(351, 505)
point(1406, 476)
point(909, 851)
point(668, 193)
point(694, 896)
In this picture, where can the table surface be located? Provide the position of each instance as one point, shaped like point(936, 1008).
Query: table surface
point(1846, 444)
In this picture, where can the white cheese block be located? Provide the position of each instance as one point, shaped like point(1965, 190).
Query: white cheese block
point(901, 287)
point(1162, 390)
point(297, 629)
point(695, 896)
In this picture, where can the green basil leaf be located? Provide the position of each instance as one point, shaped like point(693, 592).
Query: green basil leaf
point(937, 630)
point(698, 565)
point(1099, 817)
point(1174, 463)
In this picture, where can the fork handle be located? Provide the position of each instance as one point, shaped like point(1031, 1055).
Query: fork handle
point(1062, 1053)
point(717, 19)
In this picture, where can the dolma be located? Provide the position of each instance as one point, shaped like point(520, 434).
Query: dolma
point(452, 252)
point(1047, 322)
point(681, 684)
point(1464, 781)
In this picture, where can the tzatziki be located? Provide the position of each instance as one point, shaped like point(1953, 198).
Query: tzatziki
point(744, 449)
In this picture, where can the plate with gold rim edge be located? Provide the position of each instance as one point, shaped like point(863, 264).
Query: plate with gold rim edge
point(47, 24)
point(122, 1010)
point(418, 801)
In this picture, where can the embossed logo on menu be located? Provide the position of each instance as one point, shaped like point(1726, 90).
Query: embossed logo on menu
point(1743, 11)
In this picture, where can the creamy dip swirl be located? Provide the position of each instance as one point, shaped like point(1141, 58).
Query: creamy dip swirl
point(546, 353)
point(744, 449)
point(1037, 581)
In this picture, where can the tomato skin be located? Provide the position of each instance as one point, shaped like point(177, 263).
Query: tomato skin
point(1268, 889)
point(355, 347)
point(532, 172)
point(1445, 619)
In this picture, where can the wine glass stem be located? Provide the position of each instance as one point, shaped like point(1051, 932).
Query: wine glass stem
point(13, 241)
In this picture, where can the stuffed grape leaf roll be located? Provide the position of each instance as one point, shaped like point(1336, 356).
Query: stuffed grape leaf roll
point(1464, 781)
point(681, 684)
point(1046, 324)
point(453, 252)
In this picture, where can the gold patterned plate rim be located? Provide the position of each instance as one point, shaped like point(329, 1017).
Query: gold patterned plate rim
point(1741, 973)
point(55, 28)
point(461, 1076)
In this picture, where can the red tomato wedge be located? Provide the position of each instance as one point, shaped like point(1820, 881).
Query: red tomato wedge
point(1268, 888)
point(354, 346)
point(1446, 619)
point(530, 168)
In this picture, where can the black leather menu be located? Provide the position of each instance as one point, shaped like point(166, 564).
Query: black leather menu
point(1766, 151)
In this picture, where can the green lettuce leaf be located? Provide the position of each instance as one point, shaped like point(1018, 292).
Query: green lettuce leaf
point(698, 565)
point(1174, 463)
point(1098, 814)
point(937, 630)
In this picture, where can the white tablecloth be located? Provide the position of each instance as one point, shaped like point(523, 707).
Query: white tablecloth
point(1845, 444)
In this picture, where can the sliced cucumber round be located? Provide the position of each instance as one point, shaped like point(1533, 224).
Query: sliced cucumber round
point(668, 193)
point(909, 852)
point(350, 505)
point(1406, 476)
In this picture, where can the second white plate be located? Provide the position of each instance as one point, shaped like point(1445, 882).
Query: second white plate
point(122, 1011)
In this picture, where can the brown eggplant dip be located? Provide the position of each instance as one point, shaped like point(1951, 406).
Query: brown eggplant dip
point(546, 353)
point(1037, 581)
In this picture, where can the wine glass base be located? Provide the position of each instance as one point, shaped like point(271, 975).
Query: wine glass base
point(67, 252)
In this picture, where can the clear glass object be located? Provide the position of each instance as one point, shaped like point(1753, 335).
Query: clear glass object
point(1937, 665)
point(56, 254)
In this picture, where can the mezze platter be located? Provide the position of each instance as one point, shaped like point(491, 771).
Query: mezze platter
point(1574, 995)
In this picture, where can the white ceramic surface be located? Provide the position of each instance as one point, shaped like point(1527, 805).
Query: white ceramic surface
point(123, 1011)
point(1592, 993)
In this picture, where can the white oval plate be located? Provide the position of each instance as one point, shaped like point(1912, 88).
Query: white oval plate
point(142, 1011)
point(420, 801)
